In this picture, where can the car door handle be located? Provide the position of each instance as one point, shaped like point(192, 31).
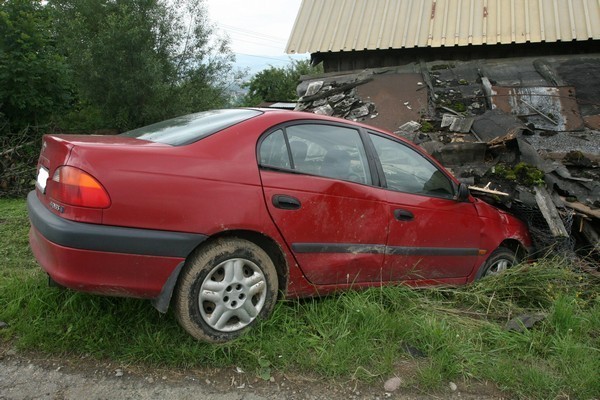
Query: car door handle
point(286, 202)
point(403, 215)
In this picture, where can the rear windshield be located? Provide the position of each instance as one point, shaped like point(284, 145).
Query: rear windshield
point(191, 128)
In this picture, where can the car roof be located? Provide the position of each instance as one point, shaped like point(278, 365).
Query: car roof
point(303, 115)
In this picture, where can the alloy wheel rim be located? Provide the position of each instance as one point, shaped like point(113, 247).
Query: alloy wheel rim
point(499, 266)
point(232, 295)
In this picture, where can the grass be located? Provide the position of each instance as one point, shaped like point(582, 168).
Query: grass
point(356, 335)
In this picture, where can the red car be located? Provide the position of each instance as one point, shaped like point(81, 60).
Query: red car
point(219, 213)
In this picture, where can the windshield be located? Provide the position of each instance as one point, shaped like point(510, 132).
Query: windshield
point(191, 128)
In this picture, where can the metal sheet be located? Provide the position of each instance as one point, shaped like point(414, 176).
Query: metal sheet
point(549, 108)
point(355, 25)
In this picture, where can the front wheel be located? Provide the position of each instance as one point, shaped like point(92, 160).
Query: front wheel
point(225, 289)
point(499, 261)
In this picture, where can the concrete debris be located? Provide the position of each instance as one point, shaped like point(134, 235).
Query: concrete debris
point(457, 123)
point(337, 99)
point(3, 325)
point(523, 322)
point(313, 88)
point(392, 384)
point(323, 110)
point(336, 96)
point(409, 127)
point(524, 133)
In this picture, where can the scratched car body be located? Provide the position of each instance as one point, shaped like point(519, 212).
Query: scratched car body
point(217, 214)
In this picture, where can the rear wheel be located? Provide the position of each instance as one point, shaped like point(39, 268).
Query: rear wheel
point(499, 261)
point(225, 289)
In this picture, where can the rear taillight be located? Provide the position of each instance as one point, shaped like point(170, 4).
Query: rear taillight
point(76, 187)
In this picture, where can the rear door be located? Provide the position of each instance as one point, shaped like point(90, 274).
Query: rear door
point(317, 183)
point(431, 235)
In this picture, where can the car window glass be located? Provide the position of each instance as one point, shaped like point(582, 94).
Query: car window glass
point(191, 128)
point(328, 150)
point(273, 151)
point(406, 170)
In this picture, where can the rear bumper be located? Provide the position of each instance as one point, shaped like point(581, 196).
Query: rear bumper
point(105, 259)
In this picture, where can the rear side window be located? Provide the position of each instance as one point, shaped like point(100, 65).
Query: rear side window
point(191, 128)
point(273, 151)
point(317, 149)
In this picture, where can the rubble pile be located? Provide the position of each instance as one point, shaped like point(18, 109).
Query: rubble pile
point(457, 94)
point(336, 97)
point(516, 131)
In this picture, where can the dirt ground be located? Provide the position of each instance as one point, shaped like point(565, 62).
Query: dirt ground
point(34, 376)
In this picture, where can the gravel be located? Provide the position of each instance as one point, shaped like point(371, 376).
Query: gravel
point(68, 379)
point(563, 142)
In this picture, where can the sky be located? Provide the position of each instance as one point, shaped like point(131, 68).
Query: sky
point(258, 30)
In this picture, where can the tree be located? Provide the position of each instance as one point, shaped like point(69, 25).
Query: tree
point(140, 61)
point(278, 84)
point(34, 78)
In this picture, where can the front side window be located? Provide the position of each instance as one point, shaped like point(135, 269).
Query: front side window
point(317, 149)
point(406, 170)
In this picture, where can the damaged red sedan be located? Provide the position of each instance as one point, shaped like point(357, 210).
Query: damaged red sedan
point(219, 213)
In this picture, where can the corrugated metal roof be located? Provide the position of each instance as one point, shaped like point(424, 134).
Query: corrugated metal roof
point(347, 25)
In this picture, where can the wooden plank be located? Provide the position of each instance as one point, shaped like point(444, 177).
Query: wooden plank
point(489, 92)
point(488, 191)
point(550, 213)
point(582, 208)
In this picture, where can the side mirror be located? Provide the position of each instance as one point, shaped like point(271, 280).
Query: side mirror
point(463, 192)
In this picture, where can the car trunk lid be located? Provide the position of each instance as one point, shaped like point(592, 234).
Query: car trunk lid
point(58, 152)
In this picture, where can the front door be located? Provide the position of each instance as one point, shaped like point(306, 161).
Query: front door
point(431, 235)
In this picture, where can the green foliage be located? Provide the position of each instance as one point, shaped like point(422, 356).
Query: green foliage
point(35, 87)
point(278, 84)
point(522, 173)
point(34, 77)
point(529, 175)
point(426, 126)
point(140, 61)
point(458, 106)
point(94, 64)
point(360, 336)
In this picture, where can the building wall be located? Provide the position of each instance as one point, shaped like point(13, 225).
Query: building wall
point(357, 60)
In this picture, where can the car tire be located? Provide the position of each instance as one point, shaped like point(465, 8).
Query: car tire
point(499, 261)
point(224, 289)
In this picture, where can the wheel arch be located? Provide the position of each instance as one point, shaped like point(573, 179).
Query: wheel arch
point(270, 246)
point(517, 247)
point(521, 253)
